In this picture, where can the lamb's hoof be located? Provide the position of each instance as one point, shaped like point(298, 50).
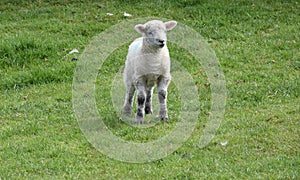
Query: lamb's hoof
point(163, 117)
point(148, 110)
point(139, 120)
point(127, 111)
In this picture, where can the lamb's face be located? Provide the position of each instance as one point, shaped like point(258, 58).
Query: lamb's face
point(156, 35)
point(155, 31)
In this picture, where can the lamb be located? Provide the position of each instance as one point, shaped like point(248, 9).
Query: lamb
point(147, 64)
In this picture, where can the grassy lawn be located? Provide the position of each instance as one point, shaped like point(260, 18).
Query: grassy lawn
point(256, 42)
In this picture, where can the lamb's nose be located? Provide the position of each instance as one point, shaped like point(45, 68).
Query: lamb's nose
point(161, 41)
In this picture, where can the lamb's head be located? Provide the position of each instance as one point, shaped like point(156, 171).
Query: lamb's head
point(154, 32)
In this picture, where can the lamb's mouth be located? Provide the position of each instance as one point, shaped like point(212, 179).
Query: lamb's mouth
point(161, 45)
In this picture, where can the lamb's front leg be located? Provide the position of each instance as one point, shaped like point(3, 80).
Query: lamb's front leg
point(128, 99)
point(148, 105)
point(141, 99)
point(162, 87)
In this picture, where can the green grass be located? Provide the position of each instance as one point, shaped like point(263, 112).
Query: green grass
point(256, 42)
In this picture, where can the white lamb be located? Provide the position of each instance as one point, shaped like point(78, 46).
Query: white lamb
point(147, 64)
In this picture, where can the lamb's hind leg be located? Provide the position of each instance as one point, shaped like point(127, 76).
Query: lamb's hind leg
point(128, 99)
point(162, 87)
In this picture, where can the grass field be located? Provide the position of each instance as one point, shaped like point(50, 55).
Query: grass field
point(256, 42)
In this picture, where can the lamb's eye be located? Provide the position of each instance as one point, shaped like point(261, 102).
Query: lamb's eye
point(150, 33)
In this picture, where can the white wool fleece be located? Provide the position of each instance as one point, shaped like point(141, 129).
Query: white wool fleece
point(140, 63)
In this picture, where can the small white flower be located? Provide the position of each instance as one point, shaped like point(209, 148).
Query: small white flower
point(109, 14)
point(224, 143)
point(74, 51)
point(126, 14)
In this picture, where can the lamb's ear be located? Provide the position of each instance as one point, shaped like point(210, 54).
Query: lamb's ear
point(140, 28)
point(170, 25)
